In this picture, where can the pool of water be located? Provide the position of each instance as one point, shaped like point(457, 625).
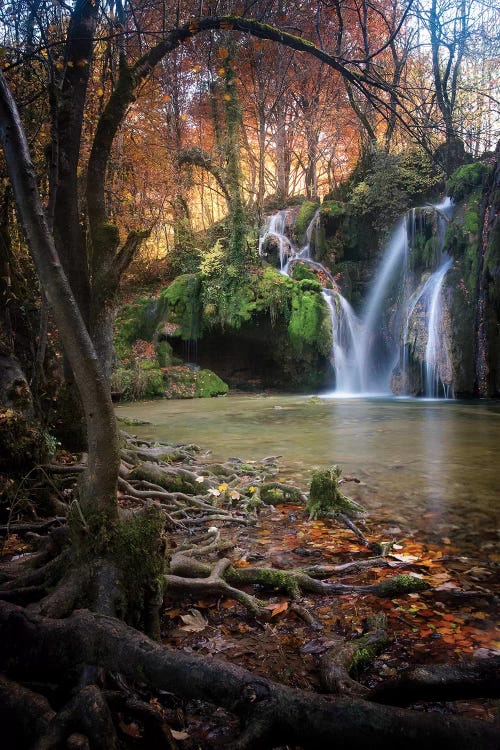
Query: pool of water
point(433, 465)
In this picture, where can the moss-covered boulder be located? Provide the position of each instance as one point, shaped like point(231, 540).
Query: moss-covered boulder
point(310, 324)
point(304, 217)
point(208, 384)
point(467, 179)
point(179, 305)
point(186, 382)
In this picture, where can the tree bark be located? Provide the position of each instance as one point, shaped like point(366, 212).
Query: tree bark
point(273, 714)
point(98, 495)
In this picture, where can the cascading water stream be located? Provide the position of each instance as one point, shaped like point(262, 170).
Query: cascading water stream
point(276, 228)
point(366, 349)
point(346, 328)
point(346, 352)
point(376, 364)
point(435, 350)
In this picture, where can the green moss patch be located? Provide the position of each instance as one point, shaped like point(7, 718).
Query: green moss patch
point(304, 218)
point(467, 178)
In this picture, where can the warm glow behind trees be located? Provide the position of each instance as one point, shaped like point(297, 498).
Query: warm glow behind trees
point(304, 125)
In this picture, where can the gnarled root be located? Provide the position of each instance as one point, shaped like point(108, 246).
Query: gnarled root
point(271, 713)
point(473, 678)
point(341, 663)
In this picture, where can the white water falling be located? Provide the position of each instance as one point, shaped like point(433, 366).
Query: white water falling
point(375, 367)
point(346, 328)
point(364, 351)
point(346, 352)
point(276, 228)
point(435, 349)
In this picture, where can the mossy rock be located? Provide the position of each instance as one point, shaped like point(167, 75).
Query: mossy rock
point(310, 325)
point(180, 304)
point(304, 218)
point(301, 271)
point(467, 178)
point(184, 382)
point(208, 384)
point(325, 497)
point(179, 382)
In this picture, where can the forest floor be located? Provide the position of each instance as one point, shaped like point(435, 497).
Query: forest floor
point(453, 621)
point(424, 628)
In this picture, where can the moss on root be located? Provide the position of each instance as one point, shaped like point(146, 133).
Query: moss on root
point(325, 497)
point(402, 584)
point(139, 551)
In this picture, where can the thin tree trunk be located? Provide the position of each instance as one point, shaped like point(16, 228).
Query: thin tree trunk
point(98, 494)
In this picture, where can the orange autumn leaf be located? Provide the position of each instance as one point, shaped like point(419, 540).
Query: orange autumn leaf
point(278, 608)
point(223, 53)
point(229, 603)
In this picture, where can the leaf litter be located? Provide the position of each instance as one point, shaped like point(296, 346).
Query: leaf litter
point(424, 628)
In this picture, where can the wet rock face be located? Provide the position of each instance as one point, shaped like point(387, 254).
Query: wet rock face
point(273, 248)
point(410, 376)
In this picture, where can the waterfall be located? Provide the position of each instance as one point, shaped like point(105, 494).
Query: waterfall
point(377, 359)
point(366, 347)
point(276, 230)
point(346, 352)
point(435, 350)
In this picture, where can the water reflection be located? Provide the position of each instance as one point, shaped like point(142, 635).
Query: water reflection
point(433, 461)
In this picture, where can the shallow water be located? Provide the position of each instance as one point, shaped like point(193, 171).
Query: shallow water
point(430, 465)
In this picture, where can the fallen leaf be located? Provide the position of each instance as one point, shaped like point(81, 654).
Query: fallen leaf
point(199, 479)
point(179, 735)
point(406, 558)
point(194, 622)
point(277, 608)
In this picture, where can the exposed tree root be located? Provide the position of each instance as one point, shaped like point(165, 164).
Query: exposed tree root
point(272, 714)
point(174, 487)
point(294, 582)
point(475, 678)
point(347, 659)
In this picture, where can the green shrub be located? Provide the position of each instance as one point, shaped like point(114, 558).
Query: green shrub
point(135, 383)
